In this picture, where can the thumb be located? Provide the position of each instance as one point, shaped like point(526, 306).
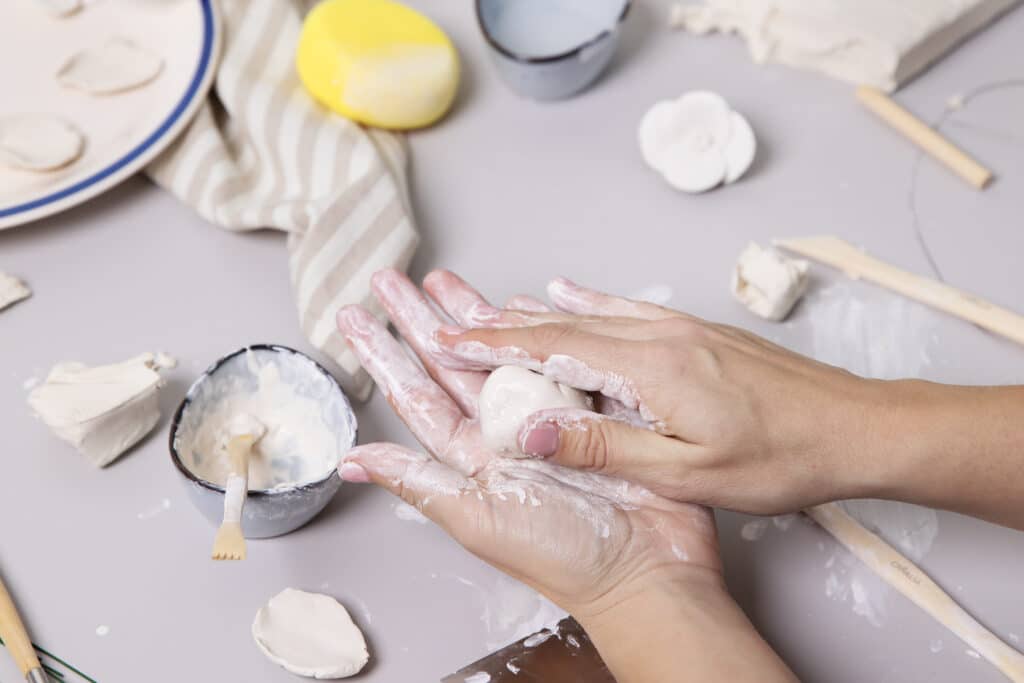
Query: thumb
point(436, 490)
point(589, 441)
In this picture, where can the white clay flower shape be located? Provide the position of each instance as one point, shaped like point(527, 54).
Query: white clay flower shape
point(696, 141)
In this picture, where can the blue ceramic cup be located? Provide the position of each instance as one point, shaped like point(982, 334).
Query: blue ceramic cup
point(551, 49)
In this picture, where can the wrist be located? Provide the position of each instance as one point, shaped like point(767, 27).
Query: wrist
point(680, 624)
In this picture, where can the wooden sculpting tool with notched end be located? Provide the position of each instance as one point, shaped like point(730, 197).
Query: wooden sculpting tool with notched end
point(835, 252)
point(243, 432)
point(14, 635)
point(924, 136)
point(907, 578)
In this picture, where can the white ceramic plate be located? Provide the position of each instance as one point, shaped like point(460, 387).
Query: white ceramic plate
point(123, 131)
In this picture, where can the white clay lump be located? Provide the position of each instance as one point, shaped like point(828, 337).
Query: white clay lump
point(696, 142)
point(768, 283)
point(12, 290)
point(38, 142)
point(310, 634)
point(104, 410)
point(114, 66)
point(512, 394)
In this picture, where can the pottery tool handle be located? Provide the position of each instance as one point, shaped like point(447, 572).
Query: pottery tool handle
point(924, 136)
point(909, 579)
point(237, 485)
point(844, 256)
point(13, 632)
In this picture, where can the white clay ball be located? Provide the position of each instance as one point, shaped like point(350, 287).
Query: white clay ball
point(512, 394)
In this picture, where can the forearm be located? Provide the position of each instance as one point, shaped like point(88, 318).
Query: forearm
point(952, 447)
point(681, 629)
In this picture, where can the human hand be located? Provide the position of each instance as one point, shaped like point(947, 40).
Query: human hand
point(721, 417)
point(587, 541)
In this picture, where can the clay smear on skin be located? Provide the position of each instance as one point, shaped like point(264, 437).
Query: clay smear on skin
point(558, 367)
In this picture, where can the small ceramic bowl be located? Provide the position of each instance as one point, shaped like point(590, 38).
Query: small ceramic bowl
point(551, 49)
point(280, 510)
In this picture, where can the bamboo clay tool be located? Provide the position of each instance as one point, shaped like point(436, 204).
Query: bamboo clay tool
point(903, 575)
point(243, 432)
point(14, 635)
point(835, 252)
point(924, 136)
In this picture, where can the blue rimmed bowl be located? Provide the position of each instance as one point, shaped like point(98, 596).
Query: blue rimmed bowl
point(282, 509)
point(551, 49)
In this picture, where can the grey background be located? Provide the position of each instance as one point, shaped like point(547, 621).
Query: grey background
point(508, 193)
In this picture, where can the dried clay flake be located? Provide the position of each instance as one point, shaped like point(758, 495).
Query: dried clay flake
point(115, 66)
point(38, 142)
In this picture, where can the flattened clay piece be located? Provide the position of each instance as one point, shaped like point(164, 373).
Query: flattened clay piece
point(115, 66)
point(34, 142)
point(310, 634)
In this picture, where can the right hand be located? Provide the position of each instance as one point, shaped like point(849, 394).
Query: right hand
point(727, 419)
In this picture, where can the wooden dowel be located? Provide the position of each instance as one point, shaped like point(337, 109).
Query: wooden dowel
point(14, 634)
point(906, 577)
point(924, 136)
point(844, 256)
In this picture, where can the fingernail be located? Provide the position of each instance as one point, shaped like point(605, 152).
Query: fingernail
point(542, 440)
point(353, 472)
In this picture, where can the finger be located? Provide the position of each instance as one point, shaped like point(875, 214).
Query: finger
point(564, 353)
point(573, 298)
point(595, 443)
point(465, 305)
point(471, 310)
point(435, 489)
point(430, 413)
point(524, 302)
point(416, 321)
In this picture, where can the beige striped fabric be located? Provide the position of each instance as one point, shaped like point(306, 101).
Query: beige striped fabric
point(262, 154)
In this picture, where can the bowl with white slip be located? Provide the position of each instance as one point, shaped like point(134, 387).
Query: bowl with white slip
point(551, 49)
point(293, 472)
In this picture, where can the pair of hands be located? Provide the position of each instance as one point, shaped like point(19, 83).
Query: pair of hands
point(604, 516)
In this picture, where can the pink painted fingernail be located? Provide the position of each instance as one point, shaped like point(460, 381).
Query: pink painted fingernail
point(353, 472)
point(542, 440)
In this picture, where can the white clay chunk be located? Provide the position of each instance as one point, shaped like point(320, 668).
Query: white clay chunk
point(102, 411)
point(310, 634)
point(768, 283)
point(696, 141)
point(510, 395)
point(115, 66)
point(12, 290)
point(38, 142)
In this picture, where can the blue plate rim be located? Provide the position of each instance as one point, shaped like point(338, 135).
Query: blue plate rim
point(199, 78)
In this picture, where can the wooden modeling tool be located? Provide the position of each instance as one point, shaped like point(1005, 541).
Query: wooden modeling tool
point(855, 263)
point(15, 637)
point(244, 431)
point(924, 136)
point(909, 579)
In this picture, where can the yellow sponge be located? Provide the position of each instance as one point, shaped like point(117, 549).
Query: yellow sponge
point(377, 62)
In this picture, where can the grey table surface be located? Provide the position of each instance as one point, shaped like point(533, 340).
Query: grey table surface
point(509, 193)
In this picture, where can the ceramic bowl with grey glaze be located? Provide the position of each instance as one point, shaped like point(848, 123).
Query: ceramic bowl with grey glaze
point(551, 49)
point(280, 510)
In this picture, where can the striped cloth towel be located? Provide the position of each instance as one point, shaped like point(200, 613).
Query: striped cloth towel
point(262, 154)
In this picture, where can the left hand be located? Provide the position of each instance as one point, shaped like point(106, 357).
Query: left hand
point(585, 540)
